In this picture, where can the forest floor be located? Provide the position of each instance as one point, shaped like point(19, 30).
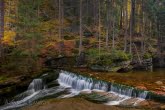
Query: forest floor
point(72, 104)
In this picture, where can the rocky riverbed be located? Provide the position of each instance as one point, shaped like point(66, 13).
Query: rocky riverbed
point(73, 104)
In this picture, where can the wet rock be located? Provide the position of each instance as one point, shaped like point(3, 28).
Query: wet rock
point(85, 92)
point(141, 87)
point(124, 69)
point(24, 77)
point(129, 102)
point(163, 88)
point(159, 82)
point(53, 84)
point(50, 76)
point(106, 95)
point(144, 103)
point(104, 68)
point(98, 68)
point(162, 107)
point(81, 59)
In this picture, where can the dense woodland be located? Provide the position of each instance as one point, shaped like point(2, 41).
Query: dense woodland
point(107, 31)
point(71, 54)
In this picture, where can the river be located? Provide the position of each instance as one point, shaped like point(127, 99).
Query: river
point(94, 88)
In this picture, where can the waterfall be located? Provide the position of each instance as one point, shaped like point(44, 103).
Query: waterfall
point(71, 85)
point(143, 95)
point(80, 83)
point(122, 89)
point(35, 91)
point(36, 85)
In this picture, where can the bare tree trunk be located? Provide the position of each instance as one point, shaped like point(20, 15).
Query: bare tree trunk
point(142, 29)
point(60, 20)
point(1, 26)
point(99, 27)
point(126, 25)
point(38, 9)
point(121, 15)
point(80, 45)
point(95, 11)
point(113, 27)
point(113, 36)
point(132, 23)
point(108, 24)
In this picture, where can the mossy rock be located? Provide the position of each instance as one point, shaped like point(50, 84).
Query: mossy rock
point(156, 97)
point(50, 76)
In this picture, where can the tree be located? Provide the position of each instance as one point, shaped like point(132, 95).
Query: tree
point(125, 24)
point(29, 37)
point(1, 25)
point(108, 22)
point(99, 27)
point(132, 23)
point(61, 19)
point(81, 34)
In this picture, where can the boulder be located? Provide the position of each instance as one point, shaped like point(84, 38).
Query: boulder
point(141, 87)
point(144, 103)
point(162, 107)
point(124, 69)
point(159, 82)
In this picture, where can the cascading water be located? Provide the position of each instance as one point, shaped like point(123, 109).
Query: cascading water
point(120, 93)
point(80, 83)
point(35, 91)
point(71, 85)
point(36, 85)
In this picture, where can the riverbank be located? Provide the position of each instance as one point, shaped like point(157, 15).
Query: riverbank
point(72, 104)
point(11, 85)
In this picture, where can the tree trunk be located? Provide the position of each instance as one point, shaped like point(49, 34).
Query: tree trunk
point(1, 26)
point(113, 36)
point(121, 15)
point(108, 24)
point(80, 45)
point(99, 27)
point(132, 23)
point(113, 27)
point(126, 24)
point(60, 20)
point(142, 29)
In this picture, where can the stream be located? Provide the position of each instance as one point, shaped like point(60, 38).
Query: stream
point(71, 85)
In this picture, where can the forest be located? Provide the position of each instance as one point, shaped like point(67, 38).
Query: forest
point(82, 54)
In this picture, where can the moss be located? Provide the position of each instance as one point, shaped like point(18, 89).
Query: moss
point(147, 56)
point(85, 42)
point(105, 58)
point(3, 78)
point(67, 37)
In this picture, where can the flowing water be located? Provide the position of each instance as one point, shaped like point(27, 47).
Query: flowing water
point(72, 85)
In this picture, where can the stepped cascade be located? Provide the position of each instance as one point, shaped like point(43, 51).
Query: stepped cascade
point(79, 83)
point(36, 85)
point(71, 84)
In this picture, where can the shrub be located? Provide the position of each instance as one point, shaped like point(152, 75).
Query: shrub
point(147, 56)
point(105, 58)
point(119, 56)
point(85, 42)
point(67, 37)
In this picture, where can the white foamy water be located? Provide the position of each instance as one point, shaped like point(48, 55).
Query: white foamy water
point(119, 93)
point(72, 85)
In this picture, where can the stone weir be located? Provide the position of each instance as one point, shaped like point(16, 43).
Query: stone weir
point(79, 83)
